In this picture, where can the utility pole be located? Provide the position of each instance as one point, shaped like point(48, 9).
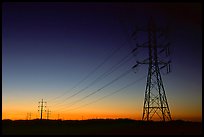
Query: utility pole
point(42, 106)
point(155, 101)
point(48, 112)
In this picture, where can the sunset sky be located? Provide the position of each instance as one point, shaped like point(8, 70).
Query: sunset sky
point(52, 51)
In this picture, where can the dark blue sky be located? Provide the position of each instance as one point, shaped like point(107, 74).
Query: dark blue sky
point(50, 47)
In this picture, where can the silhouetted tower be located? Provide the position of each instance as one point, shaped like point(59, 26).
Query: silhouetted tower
point(155, 101)
point(28, 116)
point(48, 113)
point(41, 106)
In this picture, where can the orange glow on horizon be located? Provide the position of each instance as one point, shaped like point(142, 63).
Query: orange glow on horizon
point(18, 109)
point(68, 116)
point(85, 116)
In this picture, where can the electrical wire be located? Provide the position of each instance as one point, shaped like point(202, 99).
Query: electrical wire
point(101, 98)
point(112, 69)
point(93, 71)
point(114, 80)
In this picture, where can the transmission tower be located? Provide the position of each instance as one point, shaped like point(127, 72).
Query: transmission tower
point(155, 101)
point(28, 116)
point(42, 105)
point(48, 113)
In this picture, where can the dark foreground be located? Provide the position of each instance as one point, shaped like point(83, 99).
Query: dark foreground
point(100, 127)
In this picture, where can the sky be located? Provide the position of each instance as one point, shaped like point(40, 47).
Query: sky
point(60, 52)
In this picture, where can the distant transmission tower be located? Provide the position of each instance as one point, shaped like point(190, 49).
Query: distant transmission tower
point(155, 101)
point(48, 113)
point(42, 105)
point(28, 116)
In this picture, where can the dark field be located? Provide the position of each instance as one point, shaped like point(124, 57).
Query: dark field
point(100, 127)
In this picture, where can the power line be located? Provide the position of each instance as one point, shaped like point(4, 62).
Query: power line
point(124, 27)
point(108, 72)
point(94, 70)
point(114, 80)
point(119, 90)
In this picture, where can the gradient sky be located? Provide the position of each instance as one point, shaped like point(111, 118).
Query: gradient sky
point(50, 47)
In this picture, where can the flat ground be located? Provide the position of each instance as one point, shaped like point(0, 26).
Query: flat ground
point(100, 127)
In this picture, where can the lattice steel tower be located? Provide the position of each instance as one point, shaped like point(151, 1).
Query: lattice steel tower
point(155, 101)
point(42, 106)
